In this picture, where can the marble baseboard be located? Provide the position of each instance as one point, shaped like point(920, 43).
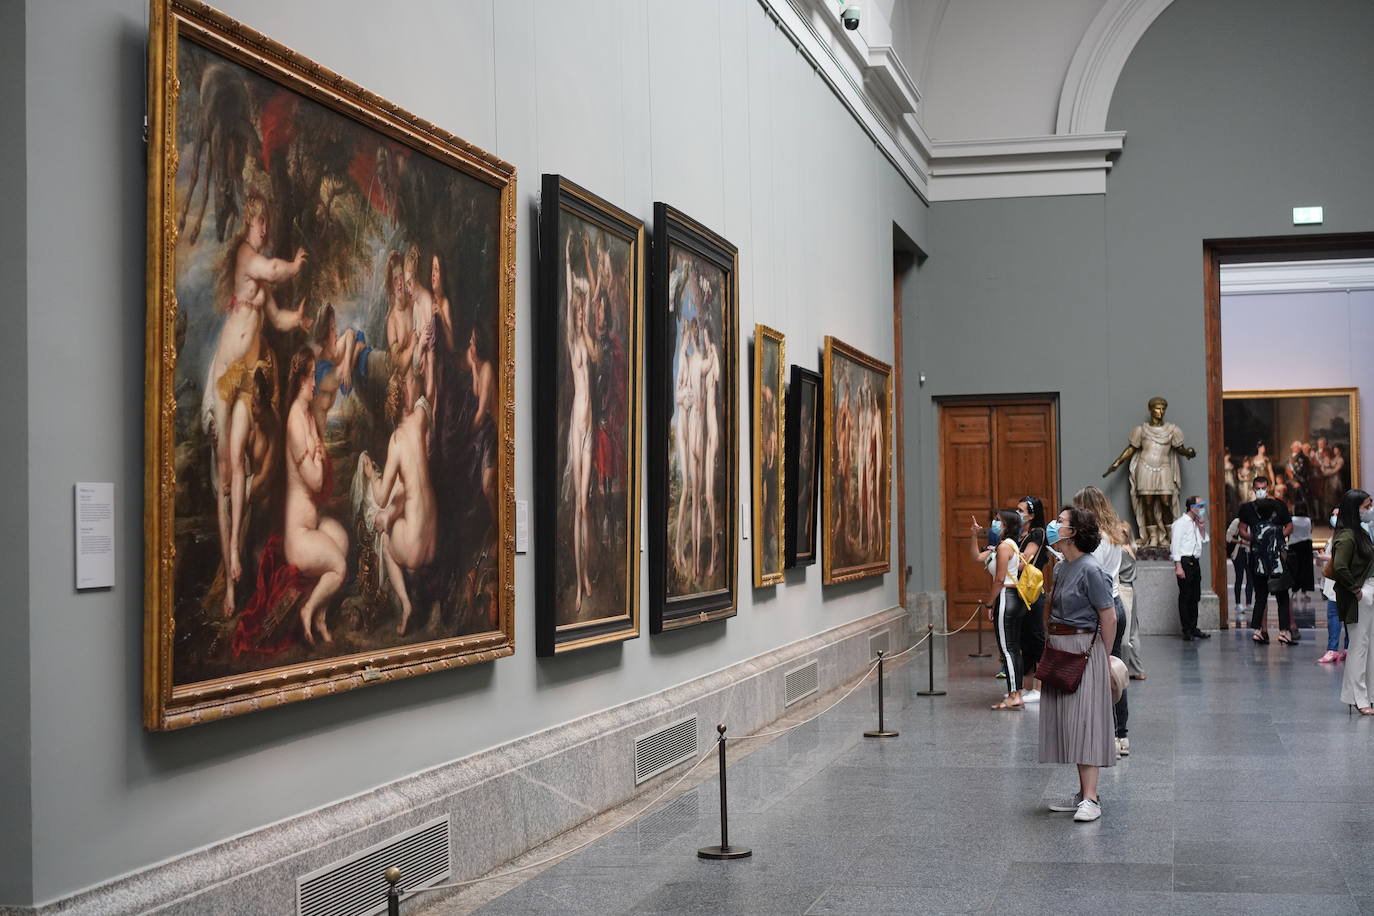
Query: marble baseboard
point(1156, 601)
point(503, 801)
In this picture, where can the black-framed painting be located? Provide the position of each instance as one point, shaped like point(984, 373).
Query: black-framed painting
point(804, 431)
point(858, 464)
point(767, 457)
point(693, 445)
point(588, 341)
point(1305, 441)
point(330, 382)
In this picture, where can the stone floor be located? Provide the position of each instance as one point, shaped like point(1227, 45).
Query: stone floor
point(1247, 791)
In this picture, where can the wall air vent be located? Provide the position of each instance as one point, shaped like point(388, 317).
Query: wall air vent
point(880, 641)
point(355, 886)
point(800, 682)
point(660, 751)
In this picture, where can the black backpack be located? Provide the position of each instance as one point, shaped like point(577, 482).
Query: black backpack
point(1266, 546)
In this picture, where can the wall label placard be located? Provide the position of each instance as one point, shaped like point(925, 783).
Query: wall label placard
point(94, 526)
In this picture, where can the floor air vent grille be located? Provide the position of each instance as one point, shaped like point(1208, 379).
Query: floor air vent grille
point(660, 751)
point(880, 642)
point(800, 682)
point(355, 886)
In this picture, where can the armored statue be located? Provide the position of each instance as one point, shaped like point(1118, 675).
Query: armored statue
point(1153, 452)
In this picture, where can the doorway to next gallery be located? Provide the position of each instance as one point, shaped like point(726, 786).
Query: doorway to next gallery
point(1287, 322)
point(993, 453)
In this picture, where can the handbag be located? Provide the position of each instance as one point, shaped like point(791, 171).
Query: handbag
point(1281, 582)
point(1030, 585)
point(1064, 670)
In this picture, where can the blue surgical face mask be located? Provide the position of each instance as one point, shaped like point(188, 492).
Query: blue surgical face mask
point(1365, 526)
point(1333, 520)
point(1052, 532)
point(997, 527)
point(1201, 512)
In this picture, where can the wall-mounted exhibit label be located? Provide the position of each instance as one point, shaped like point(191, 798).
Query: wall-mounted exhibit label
point(95, 535)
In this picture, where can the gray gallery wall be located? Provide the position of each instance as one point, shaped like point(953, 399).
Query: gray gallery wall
point(1235, 112)
point(704, 105)
point(16, 854)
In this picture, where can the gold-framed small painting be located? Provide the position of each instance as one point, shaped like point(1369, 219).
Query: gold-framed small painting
point(768, 468)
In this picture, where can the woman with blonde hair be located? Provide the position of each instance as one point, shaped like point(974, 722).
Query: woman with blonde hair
point(1116, 542)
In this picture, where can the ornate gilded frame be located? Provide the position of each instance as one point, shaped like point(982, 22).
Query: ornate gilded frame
point(763, 335)
point(802, 551)
point(672, 227)
point(837, 349)
point(559, 198)
point(169, 707)
point(1351, 394)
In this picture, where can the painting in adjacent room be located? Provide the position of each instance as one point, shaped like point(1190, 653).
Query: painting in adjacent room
point(330, 398)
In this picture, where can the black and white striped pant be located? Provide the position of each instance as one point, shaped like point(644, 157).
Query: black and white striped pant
point(1008, 612)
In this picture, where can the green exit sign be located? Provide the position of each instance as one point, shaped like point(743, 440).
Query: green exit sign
point(1307, 216)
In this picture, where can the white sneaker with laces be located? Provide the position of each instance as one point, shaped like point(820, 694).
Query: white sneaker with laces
point(1088, 810)
point(1065, 805)
point(1030, 696)
point(1123, 746)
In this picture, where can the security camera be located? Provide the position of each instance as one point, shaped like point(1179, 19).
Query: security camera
point(849, 15)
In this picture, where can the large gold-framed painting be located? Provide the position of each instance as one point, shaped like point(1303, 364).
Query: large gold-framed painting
point(858, 464)
point(329, 382)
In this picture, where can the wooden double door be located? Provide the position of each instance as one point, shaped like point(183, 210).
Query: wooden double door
point(993, 453)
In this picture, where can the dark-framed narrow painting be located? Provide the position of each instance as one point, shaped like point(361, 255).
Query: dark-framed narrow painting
point(693, 446)
point(768, 440)
point(858, 464)
point(1305, 441)
point(330, 400)
point(803, 461)
point(588, 337)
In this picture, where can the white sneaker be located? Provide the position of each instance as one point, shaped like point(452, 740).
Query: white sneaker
point(1123, 747)
point(1030, 696)
point(1088, 810)
point(1066, 804)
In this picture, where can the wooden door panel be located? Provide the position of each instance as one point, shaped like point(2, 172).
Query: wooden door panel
point(992, 454)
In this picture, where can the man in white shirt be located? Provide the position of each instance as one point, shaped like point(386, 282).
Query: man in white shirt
point(1187, 535)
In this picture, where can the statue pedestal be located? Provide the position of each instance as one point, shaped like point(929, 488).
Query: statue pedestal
point(1156, 600)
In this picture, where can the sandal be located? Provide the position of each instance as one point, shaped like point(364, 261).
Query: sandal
point(1137, 677)
point(1284, 638)
point(1260, 636)
point(1005, 705)
point(1366, 710)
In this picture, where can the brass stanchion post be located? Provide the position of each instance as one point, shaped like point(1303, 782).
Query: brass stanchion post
point(880, 731)
point(393, 891)
point(724, 850)
point(930, 664)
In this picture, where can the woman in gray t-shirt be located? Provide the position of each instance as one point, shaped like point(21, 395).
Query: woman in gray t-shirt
point(1077, 727)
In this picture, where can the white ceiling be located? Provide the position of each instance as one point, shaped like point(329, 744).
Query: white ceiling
point(985, 68)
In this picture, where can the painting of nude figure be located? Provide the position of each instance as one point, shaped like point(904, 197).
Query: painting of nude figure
point(857, 463)
point(693, 469)
point(330, 382)
point(803, 437)
point(588, 373)
point(769, 431)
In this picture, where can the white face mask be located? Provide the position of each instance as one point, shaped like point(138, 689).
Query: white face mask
point(1261, 493)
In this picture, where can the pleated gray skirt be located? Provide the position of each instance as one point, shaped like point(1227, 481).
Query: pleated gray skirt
point(1077, 727)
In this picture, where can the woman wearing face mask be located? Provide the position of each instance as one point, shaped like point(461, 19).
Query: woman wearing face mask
point(1352, 558)
point(1005, 608)
point(1116, 541)
point(1334, 652)
point(1265, 524)
point(1077, 727)
point(1031, 544)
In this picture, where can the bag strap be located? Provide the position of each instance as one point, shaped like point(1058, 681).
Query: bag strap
point(1089, 653)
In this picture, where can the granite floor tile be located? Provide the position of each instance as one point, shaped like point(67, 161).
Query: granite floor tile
point(1236, 799)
